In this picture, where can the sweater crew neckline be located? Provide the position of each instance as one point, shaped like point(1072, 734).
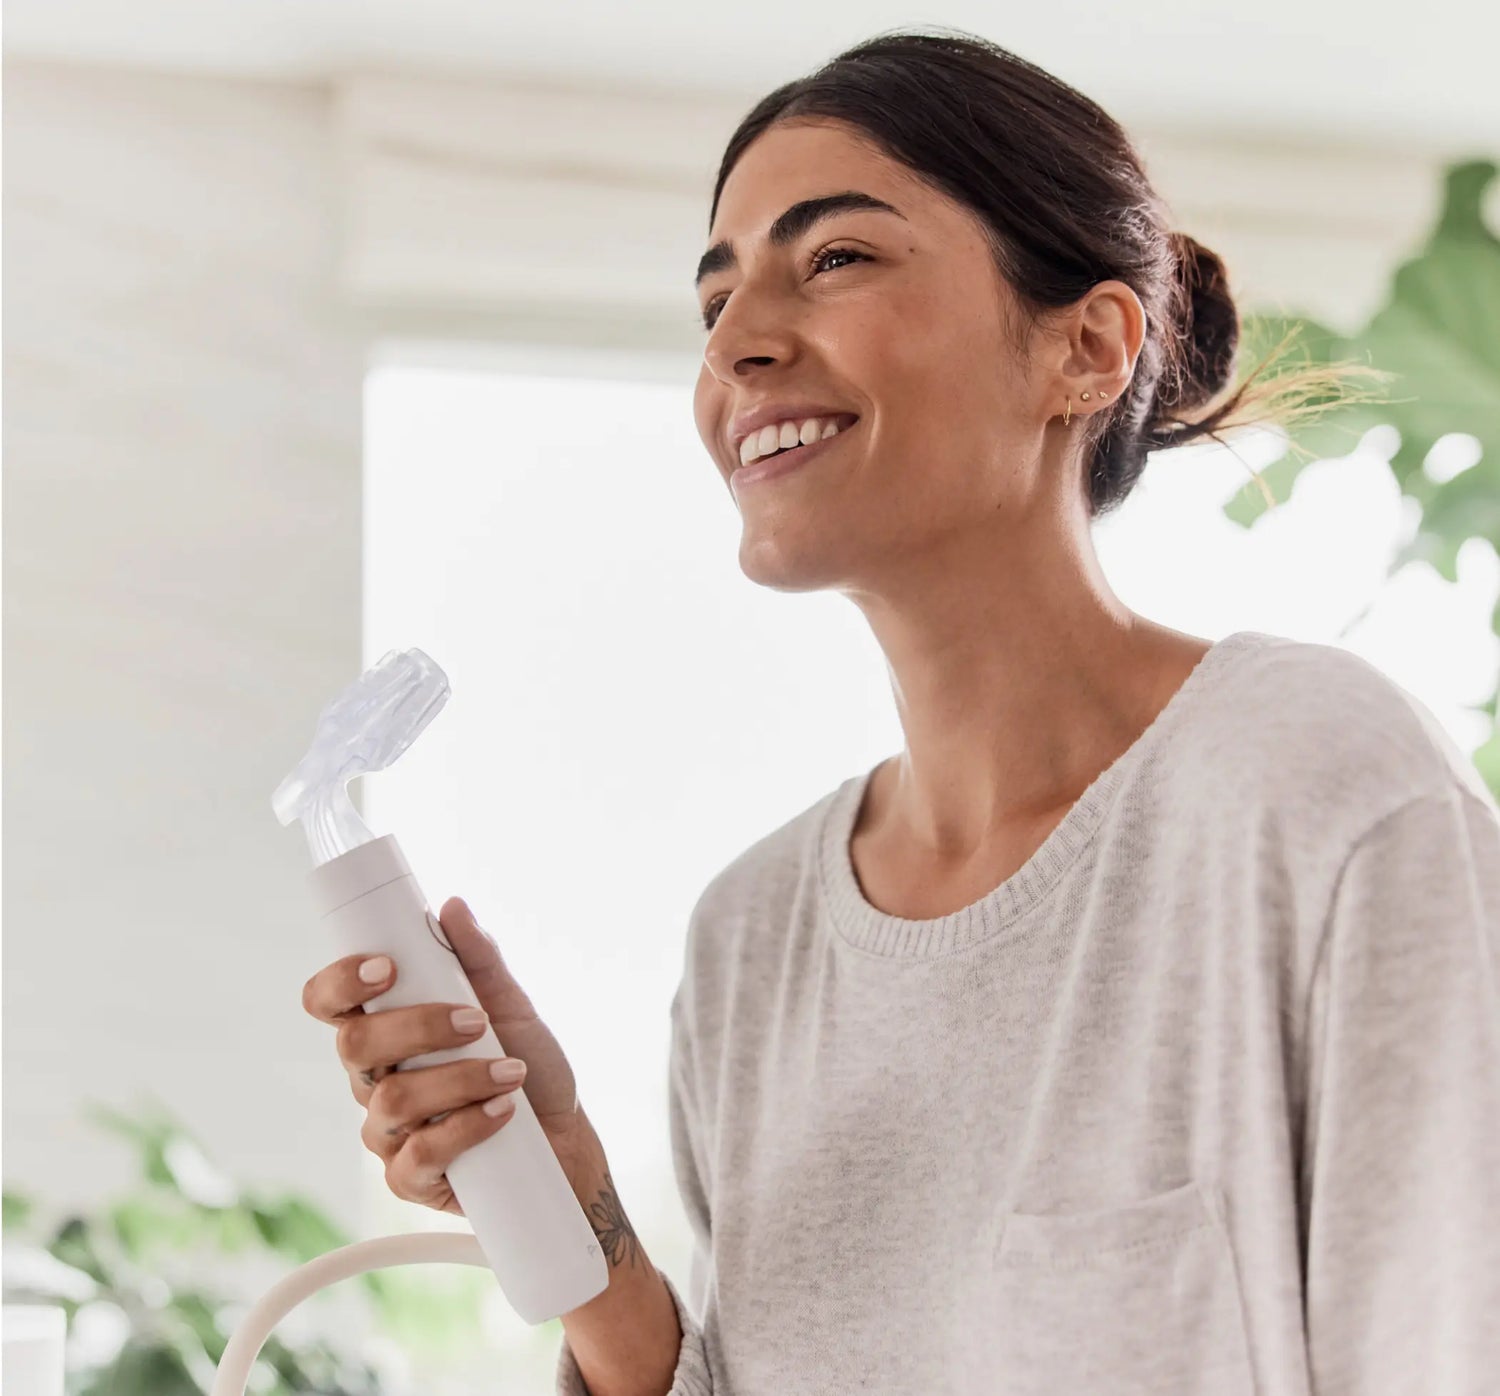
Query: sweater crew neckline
point(865, 926)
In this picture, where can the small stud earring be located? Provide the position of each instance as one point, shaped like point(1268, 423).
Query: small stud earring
point(1103, 395)
point(1085, 397)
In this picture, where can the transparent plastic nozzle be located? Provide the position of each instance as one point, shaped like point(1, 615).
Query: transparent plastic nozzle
point(364, 729)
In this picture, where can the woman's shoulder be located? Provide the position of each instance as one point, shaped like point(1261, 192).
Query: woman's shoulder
point(745, 912)
point(1318, 730)
point(775, 863)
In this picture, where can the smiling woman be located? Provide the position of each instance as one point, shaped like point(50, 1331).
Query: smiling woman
point(1058, 201)
point(1131, 1030)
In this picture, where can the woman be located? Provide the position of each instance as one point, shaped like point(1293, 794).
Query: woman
point(1134, 1029)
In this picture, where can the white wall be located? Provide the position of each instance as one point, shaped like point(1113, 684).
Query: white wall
point(182, 591)
point(470, 197)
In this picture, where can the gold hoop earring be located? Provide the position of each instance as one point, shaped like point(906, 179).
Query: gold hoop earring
point(1068, 413)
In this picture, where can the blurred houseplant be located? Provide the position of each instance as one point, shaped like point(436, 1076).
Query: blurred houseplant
point(113, 1262)
point(1437, 336)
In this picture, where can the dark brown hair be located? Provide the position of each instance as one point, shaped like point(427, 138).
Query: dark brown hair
point(1066, 204)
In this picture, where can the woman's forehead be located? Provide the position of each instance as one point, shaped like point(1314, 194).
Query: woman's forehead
point(765, 183)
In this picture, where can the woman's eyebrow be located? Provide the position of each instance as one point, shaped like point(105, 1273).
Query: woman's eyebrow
point(793, 223)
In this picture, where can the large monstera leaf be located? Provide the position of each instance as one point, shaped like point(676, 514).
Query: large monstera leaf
point(1438, 333)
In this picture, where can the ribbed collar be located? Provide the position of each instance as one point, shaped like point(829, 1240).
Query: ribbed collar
point(873, 930)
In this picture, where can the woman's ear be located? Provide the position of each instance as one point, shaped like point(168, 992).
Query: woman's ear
point(1106, 328)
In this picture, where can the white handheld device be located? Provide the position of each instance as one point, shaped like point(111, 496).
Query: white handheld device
point(530, 1226)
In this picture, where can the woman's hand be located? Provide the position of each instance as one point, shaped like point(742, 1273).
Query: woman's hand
point(419, 1120)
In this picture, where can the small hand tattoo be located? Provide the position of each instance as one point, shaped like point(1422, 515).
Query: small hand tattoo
point(612, 1226)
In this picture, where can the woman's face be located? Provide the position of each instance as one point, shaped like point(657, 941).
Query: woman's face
point(903, 320)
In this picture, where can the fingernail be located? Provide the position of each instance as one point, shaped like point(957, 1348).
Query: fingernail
point(468, 1019)
point(373, 971)
point(500, 1104)
point(507, 1070)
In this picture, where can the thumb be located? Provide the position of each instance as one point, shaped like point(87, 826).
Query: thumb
point(479, 955)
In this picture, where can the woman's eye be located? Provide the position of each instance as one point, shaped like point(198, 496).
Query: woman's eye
point(827, 252)
point(710, 311)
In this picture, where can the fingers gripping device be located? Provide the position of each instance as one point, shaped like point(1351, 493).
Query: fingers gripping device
point(528, 1226)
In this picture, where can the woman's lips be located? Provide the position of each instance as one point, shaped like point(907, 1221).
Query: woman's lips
point(783, 463)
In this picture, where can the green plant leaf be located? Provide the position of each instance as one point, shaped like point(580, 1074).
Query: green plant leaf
point(174, 1346)
point(16, 1210)
point(145, 1226)
point(232, 1228)
point(149, 1135)
point(1438, 333)
point(144, 1368)
point(199, 1315)
point(77, 1245)
point(293, 1227)
point(1487, 760)
point(1440, 329)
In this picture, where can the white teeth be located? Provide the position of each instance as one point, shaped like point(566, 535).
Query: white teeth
point(784, 435)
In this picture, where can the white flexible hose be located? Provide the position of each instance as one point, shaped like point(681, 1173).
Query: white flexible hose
point(415, 1248)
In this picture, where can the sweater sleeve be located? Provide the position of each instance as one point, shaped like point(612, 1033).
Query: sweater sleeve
point(1401, 1164)
point(691, 1376)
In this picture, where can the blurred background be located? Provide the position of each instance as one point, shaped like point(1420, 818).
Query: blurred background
point(333, 329)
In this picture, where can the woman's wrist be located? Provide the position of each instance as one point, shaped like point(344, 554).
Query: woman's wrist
point(627, 1339)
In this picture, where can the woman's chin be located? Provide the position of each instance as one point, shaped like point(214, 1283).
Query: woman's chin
point(784, 560)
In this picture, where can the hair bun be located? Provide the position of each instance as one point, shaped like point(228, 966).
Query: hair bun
point(1210, 328)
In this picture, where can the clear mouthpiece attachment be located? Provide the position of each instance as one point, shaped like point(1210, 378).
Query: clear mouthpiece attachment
point(365, 728)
